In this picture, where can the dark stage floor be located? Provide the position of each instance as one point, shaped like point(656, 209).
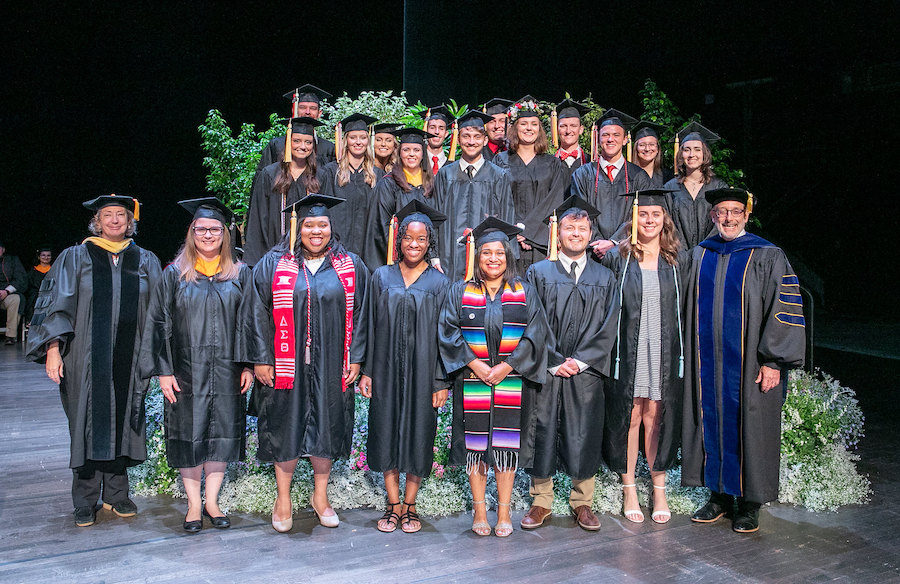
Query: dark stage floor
point(40, 543)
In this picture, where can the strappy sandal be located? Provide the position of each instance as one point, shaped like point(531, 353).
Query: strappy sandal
point(391, 517)
point(480, 527)
point(408, 517)
point(503, 528)
point(663, 516)
point(632, 512)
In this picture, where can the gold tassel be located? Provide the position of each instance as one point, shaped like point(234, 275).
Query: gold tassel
point(287, 144)
point(470, 255)
point(392, 241)
point(634, 219)
point(554, 130)
point(293, 229)
point(628, 148)
point(676, 153)
point(338, 140)
point(137, 210)
point(454, 140)
point(593, 142)
point(749, 204)
point(554, 236)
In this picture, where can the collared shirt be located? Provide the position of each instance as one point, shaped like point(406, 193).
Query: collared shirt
point(442, 158)
point(463, 165)
point(570, 160)
point(580, 264)
point(618, 164)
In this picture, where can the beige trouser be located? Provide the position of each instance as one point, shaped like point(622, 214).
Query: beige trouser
point(11, 305)
point(582, 492)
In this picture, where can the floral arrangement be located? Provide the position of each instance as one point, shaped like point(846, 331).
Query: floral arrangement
point(527, 105)
point(821, 425)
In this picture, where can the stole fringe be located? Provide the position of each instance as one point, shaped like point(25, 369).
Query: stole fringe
point(504, 460)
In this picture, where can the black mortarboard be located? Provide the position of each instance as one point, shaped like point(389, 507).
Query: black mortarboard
point(309, 93)
point(473, 119)
point(527, 107)
point(649, 197)
point(570, 109)
point(386, 127)
point(355, 122)
point(613, 117)
point(305, 125)
point(313, 205)
point(438, 112)
point(496, 106)
point(416, 210)
point(208, 208)
point(694, 131)
point(412, 135)
point(41, 248)
point(107, 200)
point(493, 229)
point(643, 128)
point(572, 204)
point(716, 196)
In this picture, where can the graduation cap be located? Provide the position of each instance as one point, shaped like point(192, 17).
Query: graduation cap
point(716, 196)
point(355, 122)
point(491, 229)
point(570, 206)
point(695, 131)
point(613, 117)
point(473, 119)
point(412, 136)
point(643, 128)
point(415, 210)
point(302, 125)
point(438, 112)
point(570, 109)
point(208, 208)
point(312, 205)
point(307, 93)
point(496, 106)
point(386, 127)
point(113, 199)
point(41, 248)
point(645, 198)
point(525, 107)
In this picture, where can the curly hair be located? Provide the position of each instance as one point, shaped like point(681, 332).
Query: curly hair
point(94, 224)
point(430, 253)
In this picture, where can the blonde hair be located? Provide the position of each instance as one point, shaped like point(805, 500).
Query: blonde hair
point(94, 225)
point(187, 258)
point(668, 242)
point(368, 165)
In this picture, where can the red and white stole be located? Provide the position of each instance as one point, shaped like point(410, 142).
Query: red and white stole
point(346, 273)
point(283, 312)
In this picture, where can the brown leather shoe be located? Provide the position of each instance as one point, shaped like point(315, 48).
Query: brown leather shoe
point(535, 517)
point(586, 518)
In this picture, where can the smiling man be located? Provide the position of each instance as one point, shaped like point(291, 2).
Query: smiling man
point(306, 102)
point(744, 331)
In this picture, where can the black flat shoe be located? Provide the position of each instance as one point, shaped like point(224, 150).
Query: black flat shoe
point(220, 522)
point(718, 506)
point(746, 520)
point(192, 526)
point(85, 516)
point(125, 508)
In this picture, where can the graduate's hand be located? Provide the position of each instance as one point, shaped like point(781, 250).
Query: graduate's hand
point(246, 380)
point(768, 378)
point(437, 266)
point(169, 386)
point(498, 373)
point(54, 364)
point(601, 246)
point(439, 398)
point(265, 374)
point(574, 369)
point(521, 239)
point(365, 386)
point(351, 374)
point(480, 369)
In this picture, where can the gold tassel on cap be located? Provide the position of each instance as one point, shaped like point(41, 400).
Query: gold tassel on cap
point(470, 254)
point(287, 144)
point(454, 140)
point(676, 153)
point(293, 229)
point(554, 236)
point(593, 142)
point(137, 209)
point(554, 130)
point(634, 219)
point(392, 241)
point(749, 204)
point(338, 140)
point(628, 148)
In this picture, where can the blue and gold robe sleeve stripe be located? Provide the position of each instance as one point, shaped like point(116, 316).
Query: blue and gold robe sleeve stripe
point(790, 280)
point(790, 319)
point(791, 299)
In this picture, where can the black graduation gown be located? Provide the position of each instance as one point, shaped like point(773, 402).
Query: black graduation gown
point(489, 154)
point(405, 366)
point(99, 343)
point(529, 359)
point(466, 203)
point(389, 198)
point(274, 152)
point(659, 179)
point(568, 171)
point(266, 225)
point(189, 333)
point(315, 417)
point(690, 215)
point(31, 292)
point(743, 310)
point(582, 320)
point(606, 196)
point(620, 392)
point(348, 219)
point(537, 188)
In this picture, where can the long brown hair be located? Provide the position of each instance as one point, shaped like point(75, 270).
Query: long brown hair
point(400, 178)
point(705, 166)
point(668, 242)
point(187, 258)
point(657, 160)
point(285, 179)
point(541, 145)
point(368, 165)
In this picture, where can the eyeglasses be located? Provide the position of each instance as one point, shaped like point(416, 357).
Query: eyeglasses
point(723, 213)
point(214, 231)
point(647, 147)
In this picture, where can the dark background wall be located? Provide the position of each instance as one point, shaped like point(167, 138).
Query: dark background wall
point(101, 98)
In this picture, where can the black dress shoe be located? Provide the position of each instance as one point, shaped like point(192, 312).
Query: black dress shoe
point(747, 518)
point(10, 340)
point(192, 526)
point(221, 522)
point(124, 508)
point(85, 516)
point(719, 505)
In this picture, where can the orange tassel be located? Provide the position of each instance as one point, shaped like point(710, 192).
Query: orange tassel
point(634, 219)
point(554, 236)
point(137, 210)
point(392, 241)
point(287, 144)
point(554, 130)
point(470, 254)
point(454, 140)
point(338, 139)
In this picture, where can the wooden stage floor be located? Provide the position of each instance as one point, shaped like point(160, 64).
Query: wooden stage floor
point(40, 543)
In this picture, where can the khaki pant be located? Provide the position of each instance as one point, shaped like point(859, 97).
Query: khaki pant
point(582, 492)
point(11, 305)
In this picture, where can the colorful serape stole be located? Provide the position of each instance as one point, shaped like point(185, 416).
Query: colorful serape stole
point(493, 414)
point(283, 281)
